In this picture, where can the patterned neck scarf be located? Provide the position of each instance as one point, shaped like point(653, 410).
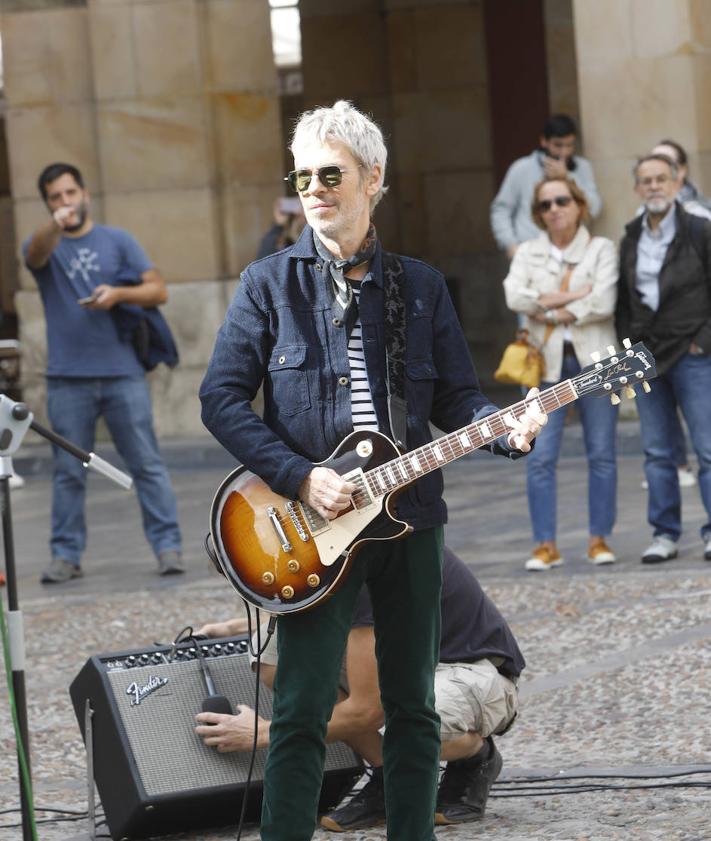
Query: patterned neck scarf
point(337, 269)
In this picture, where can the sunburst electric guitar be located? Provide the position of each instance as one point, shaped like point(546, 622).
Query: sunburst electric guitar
point(283, 557)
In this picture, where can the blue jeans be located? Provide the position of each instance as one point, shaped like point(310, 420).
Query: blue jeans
point(687, 384)
point(599, 419)
point(74, 407)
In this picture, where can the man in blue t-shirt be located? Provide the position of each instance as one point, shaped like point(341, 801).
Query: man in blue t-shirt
point(83, 270)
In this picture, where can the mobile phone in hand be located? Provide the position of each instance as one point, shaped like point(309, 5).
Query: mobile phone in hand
point(88, 300)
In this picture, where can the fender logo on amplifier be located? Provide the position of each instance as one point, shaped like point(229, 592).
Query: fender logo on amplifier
point(141, 692)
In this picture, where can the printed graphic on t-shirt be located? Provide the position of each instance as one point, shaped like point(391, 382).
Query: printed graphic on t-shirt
point(86, 261)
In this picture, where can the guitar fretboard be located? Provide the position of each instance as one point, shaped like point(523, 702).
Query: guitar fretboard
point(394, 474)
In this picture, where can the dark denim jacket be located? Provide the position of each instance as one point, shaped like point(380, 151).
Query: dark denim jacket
point(279, 331)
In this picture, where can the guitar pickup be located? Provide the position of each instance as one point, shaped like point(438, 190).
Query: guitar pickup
point(361, 497)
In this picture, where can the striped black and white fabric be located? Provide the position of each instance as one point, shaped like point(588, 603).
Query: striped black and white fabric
point(362, 407)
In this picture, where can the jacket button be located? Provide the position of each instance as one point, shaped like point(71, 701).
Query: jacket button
point(319, 266)
point(282, 360)
point(337, 322)
point(343, 381)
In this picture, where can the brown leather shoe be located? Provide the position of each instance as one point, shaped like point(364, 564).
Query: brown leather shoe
point(544, 557)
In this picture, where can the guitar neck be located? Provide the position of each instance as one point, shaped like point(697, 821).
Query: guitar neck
point(399, 472)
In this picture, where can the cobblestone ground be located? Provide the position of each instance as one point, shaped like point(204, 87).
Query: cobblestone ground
point(617, 683)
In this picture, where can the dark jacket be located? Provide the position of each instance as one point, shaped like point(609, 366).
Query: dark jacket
point(279, 330)
point(684, 314)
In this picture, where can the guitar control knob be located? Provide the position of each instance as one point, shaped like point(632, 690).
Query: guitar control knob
point(131, 660)
point(242, 646)
point(313, 580)
point(157, 657)
point(144, 658)
point(287, 592)
point(268, 577)
point(293, 565)
point(230, 647)
point(216, 649)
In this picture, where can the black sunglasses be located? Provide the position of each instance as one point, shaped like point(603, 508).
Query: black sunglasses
point(330, 176)
point(560, 201)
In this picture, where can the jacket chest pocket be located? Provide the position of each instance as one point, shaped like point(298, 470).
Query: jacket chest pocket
point(289, 378)
point(421, 376)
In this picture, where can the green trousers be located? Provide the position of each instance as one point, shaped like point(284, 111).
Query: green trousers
point(405, 579)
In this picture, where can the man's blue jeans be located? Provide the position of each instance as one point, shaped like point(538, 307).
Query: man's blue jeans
point(74, 406)
point(599, 419)
point(686, 384)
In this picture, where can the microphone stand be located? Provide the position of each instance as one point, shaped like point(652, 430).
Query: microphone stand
point(15, 420)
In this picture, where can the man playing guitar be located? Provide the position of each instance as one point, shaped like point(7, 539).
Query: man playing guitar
point(309, 324)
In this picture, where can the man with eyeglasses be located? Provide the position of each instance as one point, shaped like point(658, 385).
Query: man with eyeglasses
point(309, 324)
point(511, 221)
point(664, 299)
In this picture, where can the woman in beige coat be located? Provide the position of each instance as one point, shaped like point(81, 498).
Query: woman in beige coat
point(565, 284)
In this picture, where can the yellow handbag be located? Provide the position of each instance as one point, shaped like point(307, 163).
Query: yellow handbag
point(522, 363)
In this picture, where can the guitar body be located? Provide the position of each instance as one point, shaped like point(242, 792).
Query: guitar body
point(280, 555)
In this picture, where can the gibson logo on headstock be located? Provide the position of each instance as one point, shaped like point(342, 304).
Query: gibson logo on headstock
point(138, 693)
point(643, 359)
point(614, 371)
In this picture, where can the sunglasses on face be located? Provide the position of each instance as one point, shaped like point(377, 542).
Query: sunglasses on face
point(559, 201)
point(330, 176)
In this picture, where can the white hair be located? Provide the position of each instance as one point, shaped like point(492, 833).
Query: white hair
point(344, 123)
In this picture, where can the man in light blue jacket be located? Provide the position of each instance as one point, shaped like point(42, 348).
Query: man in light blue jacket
point(511, 220)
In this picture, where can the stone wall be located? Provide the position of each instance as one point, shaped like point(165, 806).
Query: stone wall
point(644, 68)
point(170, 109)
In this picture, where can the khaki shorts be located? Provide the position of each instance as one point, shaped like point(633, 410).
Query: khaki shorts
point(468, 696)
point(473, 697)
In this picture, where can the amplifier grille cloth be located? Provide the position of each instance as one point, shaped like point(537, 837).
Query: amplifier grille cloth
point(170, 756)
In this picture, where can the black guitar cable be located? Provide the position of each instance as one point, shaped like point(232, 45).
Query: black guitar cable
point(210, 550)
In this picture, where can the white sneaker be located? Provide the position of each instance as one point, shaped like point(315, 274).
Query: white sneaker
point(686, 478)
point(662, 549)
point(16, 481)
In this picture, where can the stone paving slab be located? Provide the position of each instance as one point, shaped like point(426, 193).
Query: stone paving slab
point(619, 659)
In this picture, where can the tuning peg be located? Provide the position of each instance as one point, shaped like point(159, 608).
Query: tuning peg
point(627, 344)
point(647, 387)
point(630, 393)
point(615, 399)
point(595, 356)
point(611, 350)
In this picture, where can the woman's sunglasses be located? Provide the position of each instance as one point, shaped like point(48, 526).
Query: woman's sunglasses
point(559, 201)
point(330, 176)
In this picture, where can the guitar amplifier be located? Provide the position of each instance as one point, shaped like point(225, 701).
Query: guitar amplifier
point(154, 774)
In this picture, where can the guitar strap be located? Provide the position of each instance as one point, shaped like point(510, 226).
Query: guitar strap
point(395, 344)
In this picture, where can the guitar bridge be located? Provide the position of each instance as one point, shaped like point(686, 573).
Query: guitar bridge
point(296, 520)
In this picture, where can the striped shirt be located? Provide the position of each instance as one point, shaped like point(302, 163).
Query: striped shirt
point(362, 407)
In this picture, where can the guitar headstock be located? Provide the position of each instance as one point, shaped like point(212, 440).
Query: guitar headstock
point(620, 370)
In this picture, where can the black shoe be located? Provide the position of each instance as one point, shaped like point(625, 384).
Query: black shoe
point(465, 786)
point(365, 809)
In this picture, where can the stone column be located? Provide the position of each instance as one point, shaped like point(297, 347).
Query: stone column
point(170, 109)
point(643, 69)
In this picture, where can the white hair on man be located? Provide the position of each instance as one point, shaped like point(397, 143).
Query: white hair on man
point(344, 123)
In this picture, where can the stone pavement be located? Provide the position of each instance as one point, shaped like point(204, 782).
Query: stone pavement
point(619, 658)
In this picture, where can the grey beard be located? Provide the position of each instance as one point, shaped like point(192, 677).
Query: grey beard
point(658, 206)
